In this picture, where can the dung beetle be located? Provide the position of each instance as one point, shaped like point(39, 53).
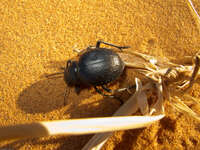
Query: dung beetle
point(96, 67)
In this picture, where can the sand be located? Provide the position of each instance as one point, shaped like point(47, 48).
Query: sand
point(37, 38)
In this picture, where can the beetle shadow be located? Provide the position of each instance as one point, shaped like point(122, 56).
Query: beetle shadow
point(48, 94)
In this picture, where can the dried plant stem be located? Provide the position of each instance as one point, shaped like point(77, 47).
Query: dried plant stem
point(75, 126)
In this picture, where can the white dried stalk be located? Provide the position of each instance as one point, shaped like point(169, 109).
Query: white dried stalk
point(76, 126)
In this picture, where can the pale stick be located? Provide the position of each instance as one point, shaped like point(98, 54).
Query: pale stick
point(75, 126)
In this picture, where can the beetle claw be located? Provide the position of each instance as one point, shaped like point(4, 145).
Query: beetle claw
point(124, 47)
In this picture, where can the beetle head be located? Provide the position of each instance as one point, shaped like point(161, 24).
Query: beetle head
point(70, 74)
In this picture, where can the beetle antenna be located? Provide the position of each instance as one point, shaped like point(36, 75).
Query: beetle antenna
point(66, 95)
point(54, 74)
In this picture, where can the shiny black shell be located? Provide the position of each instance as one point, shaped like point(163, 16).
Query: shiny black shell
point(99, 66)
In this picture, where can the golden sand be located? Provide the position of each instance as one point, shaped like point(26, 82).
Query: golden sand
point(37, 37)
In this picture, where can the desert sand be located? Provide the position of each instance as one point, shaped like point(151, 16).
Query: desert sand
point(38, 37)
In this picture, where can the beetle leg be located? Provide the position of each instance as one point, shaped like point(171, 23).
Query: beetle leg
point(119, 47)
point(54, 74)
point(118, 90)
point(111, 96)
point(77, 89)
point(107, 89)
point(66, 95)
point(100, 92)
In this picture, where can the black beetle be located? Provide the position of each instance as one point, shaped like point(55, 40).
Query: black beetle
point(95, 67)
